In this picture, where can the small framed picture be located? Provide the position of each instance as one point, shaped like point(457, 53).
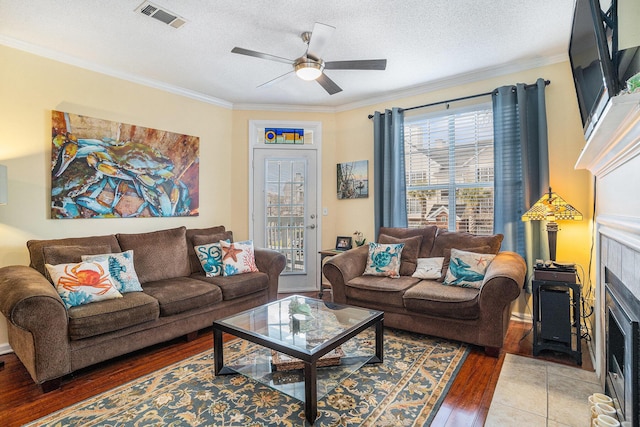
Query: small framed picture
point(343, 243)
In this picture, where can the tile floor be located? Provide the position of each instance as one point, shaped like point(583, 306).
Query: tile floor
point(533, 392)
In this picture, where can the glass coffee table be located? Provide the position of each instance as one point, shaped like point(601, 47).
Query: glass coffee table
point(306, 329)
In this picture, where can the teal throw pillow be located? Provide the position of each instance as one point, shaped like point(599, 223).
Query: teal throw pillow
point(384, 260)
point(121, 268)
point(467, 269)
point(210, 256)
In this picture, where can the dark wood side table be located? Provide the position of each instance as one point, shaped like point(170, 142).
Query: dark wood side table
point(325, 253)
point(556, 312)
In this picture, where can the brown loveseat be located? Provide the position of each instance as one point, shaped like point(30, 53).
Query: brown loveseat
point(177, 299)
point(476, 316)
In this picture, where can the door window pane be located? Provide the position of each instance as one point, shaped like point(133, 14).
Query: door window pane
point(284, 207)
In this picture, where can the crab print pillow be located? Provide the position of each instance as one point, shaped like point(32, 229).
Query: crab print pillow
point(121, 268)
point(238, 258)
point(384, 260)
point(83, 283)
point(466, 269)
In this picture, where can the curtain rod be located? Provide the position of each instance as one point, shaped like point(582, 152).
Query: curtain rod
point(546, 83)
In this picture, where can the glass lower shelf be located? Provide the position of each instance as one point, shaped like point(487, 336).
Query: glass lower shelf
point(259, 367)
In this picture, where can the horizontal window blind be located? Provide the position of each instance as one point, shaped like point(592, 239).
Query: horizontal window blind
point(449, 169)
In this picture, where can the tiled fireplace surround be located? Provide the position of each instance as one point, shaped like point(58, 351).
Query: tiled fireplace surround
point(612, 155)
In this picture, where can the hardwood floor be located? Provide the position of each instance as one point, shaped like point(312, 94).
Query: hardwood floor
point(466, 404)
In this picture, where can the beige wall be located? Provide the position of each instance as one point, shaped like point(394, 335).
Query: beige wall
point(31, 86)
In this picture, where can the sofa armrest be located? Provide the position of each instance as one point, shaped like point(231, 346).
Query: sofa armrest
point(502, 284)
point(272, 263)
point(341, 268)
point(36, 313)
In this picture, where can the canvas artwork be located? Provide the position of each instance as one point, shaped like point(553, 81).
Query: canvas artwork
point(353, 180)
point(106, 169)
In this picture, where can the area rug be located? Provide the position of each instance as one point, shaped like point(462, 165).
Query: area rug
point(406, 390)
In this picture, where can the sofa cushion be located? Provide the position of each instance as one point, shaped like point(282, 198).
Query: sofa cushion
point(122, 270)
point(237, 286)
point(432, 298)
point(65, 254)
point(428, 234)
point(464, 241)
point(36, 248)
point(83, 282)
point(107, 316)
point(467, 269)
point(409, 257)
point(182, 294)
point(384, 260)
point(204, 239)
point(193, 259)
point(158, 255)
point(238, 258)
point(378, 289)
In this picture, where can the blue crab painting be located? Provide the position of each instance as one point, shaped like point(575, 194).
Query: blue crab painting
point(108, 169)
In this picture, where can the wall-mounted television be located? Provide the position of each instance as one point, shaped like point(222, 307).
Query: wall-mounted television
point(604, 53)
point(594, 74)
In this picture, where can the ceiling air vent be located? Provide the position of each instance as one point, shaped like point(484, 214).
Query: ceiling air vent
point(162, 15)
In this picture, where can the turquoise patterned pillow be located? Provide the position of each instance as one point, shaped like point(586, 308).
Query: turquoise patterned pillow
point(466, 269)
point(238, 258)
point(384, 260)
point(83, 283)
point(210, 256)
point(121, 268)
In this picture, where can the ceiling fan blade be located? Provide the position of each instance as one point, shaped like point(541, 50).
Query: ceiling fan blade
point(319, 39)
point(277, 79)
point(329, 85)
point(261, 55)
point(364, 64)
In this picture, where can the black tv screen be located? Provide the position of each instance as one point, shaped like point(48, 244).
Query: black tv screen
point(593, 71)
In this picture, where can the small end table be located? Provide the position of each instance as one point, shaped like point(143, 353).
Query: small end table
point(326, 286)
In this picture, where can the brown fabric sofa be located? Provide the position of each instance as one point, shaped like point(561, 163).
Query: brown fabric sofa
point(476, 316)
point(177, 299)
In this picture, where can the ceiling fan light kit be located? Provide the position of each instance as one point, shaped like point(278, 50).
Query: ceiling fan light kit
point(310, 66)
point(308, 69)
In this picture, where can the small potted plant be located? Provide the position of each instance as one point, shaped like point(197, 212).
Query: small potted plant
point(359, 238)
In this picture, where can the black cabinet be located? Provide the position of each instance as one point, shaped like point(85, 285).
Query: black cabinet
point(556, 312)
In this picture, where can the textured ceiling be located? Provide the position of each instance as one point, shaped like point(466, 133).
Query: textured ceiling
point(426, 43)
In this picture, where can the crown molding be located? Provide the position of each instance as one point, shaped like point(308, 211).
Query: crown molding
point(72, 60)
point(445, 83)
point(459, 79)
point(286, 108)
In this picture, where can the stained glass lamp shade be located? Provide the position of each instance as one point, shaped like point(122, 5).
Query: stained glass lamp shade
point(551, 208)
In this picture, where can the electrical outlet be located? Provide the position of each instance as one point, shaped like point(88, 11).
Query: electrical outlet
point(325, 211)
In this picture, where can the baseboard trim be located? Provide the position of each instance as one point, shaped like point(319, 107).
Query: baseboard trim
point(5, 349)
point(522, 317)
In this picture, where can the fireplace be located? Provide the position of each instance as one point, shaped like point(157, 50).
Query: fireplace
point(622, 348)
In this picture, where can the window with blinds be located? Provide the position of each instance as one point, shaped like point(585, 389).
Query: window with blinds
point(449, 169)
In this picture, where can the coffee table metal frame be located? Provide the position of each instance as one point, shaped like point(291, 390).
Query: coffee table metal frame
point(309, 358)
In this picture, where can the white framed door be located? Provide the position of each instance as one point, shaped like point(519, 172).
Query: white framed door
point(284, 200)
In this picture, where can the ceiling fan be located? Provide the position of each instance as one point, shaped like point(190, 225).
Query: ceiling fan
point(311, 66)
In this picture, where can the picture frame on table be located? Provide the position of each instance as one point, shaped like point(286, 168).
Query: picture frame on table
point(343, 243)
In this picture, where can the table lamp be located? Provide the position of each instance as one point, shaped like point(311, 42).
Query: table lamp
point(550, 208)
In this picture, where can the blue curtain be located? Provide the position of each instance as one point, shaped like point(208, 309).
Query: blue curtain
point(521, 167)
point(390, 188)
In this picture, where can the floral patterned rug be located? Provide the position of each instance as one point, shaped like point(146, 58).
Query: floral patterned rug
point(406, 390)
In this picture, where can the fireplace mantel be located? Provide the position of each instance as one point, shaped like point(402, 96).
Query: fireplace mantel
point(616, 137)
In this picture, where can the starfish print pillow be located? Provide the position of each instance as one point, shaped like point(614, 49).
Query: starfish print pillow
point(467, 269)
point(237, 257)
